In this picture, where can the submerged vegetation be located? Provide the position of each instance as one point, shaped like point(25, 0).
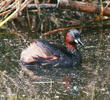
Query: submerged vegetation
point(23, 20)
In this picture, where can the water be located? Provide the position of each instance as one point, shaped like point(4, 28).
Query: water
point(90, 81)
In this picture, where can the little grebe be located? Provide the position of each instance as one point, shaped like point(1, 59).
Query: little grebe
point(43, 53)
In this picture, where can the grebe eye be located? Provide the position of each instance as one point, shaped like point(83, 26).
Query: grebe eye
point(77, 35)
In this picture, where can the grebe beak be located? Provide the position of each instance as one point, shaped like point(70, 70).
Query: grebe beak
point(79, 41)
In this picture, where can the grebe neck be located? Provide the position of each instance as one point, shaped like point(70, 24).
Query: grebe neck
point(71, 46)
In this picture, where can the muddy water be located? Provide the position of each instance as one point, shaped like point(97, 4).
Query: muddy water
point(91, 80)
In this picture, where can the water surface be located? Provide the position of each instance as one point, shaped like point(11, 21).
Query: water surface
point(91, 80)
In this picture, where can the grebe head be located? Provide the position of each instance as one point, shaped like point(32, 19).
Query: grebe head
point(72, 38)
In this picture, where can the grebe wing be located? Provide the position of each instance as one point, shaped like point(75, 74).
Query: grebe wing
point(38, 51)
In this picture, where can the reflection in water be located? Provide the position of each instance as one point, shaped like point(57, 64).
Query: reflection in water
point(91, 80)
